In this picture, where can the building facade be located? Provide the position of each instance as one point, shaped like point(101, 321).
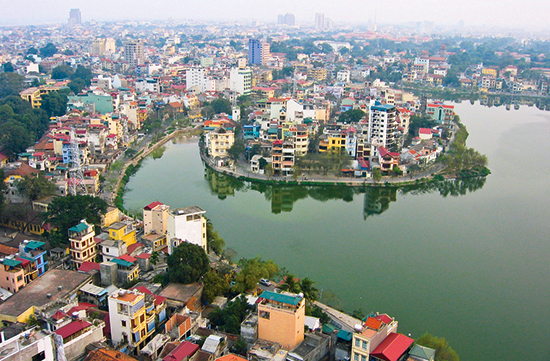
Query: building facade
point(186, 225)
point(83, 245)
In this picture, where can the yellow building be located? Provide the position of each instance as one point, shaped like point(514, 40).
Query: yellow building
point(489, 72)
point(34, 95)
point(219, 142)
point(334, 141)
point(281, 318)
point(123, 232)
point(133, 316)
point(111, 216)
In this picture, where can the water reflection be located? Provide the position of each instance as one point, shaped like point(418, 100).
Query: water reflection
point(509, 101)
point(376, 200)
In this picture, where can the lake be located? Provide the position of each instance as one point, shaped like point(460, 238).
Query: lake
point(469, 261)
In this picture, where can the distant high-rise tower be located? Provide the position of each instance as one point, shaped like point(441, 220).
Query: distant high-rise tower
point(266, 52)
point(289, 19)
point(254, 51)
point(133, 53)
point(280, 19)
point(74, 17)
point(320, 21)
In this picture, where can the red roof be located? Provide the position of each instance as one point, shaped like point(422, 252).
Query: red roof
point(384, 318)
point(152, 205)
point(24, 262)
point(59, 315)
point(81, 306)
point(144, 255)
point(88, 266)
point(424, 131)
point(128, 258)
point(184, 349)
point(72, 328)
point(393, 347)
point(133, 247)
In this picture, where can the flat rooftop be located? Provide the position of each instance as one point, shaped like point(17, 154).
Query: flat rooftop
point(35, 294)
point(187, 210)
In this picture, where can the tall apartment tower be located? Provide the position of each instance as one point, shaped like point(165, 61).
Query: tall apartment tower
point(186, 225)
point(383, 128)
point(74, 17)
point(98, 47)
point(133, 53)
point(290, 19)
point(266, 52)
point(320, 21)
point(83, 245)
point(254, 51)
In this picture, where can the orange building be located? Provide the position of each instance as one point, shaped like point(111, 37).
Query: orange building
point(281, 318)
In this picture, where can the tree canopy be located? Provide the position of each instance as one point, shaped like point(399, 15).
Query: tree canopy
point(229, 319)
point(221, 106)
point(55, 103)
point(11, 84)
point(48, 50)
point(252, 271)
point(62, 71)
point(67, 212)
point(37, 187)
point(443, 352)
point(351, 116)
point(187, 264)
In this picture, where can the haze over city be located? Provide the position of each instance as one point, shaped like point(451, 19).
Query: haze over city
point(531, 14)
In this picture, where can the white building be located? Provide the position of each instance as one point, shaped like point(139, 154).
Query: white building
point(194, 77)
point(383, 127)
point(343, 76)
point(240, 80)
point(186, 225)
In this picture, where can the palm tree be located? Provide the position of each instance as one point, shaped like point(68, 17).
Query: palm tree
point(154, 258)
point(290, 284)
point(310, 292)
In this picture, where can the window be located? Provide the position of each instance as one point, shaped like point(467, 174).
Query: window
point(355, 357)
point(123, 323)
point(363, 358)
point(189, 218)
point(264, 314)
point(19, 278)
point(39, 356)
point(357, 342)
point(365, 343)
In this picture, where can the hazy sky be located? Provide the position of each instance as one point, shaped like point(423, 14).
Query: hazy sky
point(511, 13)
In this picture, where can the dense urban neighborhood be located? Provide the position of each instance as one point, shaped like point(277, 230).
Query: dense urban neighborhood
point(81, 104)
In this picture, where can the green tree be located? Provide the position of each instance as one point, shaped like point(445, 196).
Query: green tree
point(310, 292)
point(187, 264)
point(221, 106)
point(236, 150)
point(7, 67)
point(66, 212)
point(62, 71)
point(213, 239)
point(48, 50)
point(240, 347)
point(351, 116)
point(376, 174)
point(14, 137)
point(214, 286)
point(229, 319)
point(11, 84)
point(155, 257)
point(443, 352)
point(289, 284)
point(36, 187)
point(82, 73)
point(55, 103)
point(252, 271)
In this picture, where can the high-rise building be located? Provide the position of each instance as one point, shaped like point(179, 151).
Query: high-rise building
point(110, 46)
point(266, 52)
point(383, 127)
point(320, 21)
point(98, 47)
point(133, 53)
point(254, 51)
point(290, 19)
point(240, 80)
point(286, 19)
point(74, 17)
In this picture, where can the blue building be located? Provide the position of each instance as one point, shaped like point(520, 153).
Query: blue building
point(254, 51)
point(35, 252)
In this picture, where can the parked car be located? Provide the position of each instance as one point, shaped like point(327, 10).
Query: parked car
point(265, 282)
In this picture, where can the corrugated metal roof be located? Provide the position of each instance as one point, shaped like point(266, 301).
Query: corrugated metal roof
point(278, 297)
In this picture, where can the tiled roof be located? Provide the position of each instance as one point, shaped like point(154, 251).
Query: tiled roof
point(393, 347)
point(88, 266)
point(72, 328)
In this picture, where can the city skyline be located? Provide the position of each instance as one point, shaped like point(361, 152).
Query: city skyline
point(533, 14)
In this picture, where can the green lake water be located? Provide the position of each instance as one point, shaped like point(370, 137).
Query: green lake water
point(469, 261)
